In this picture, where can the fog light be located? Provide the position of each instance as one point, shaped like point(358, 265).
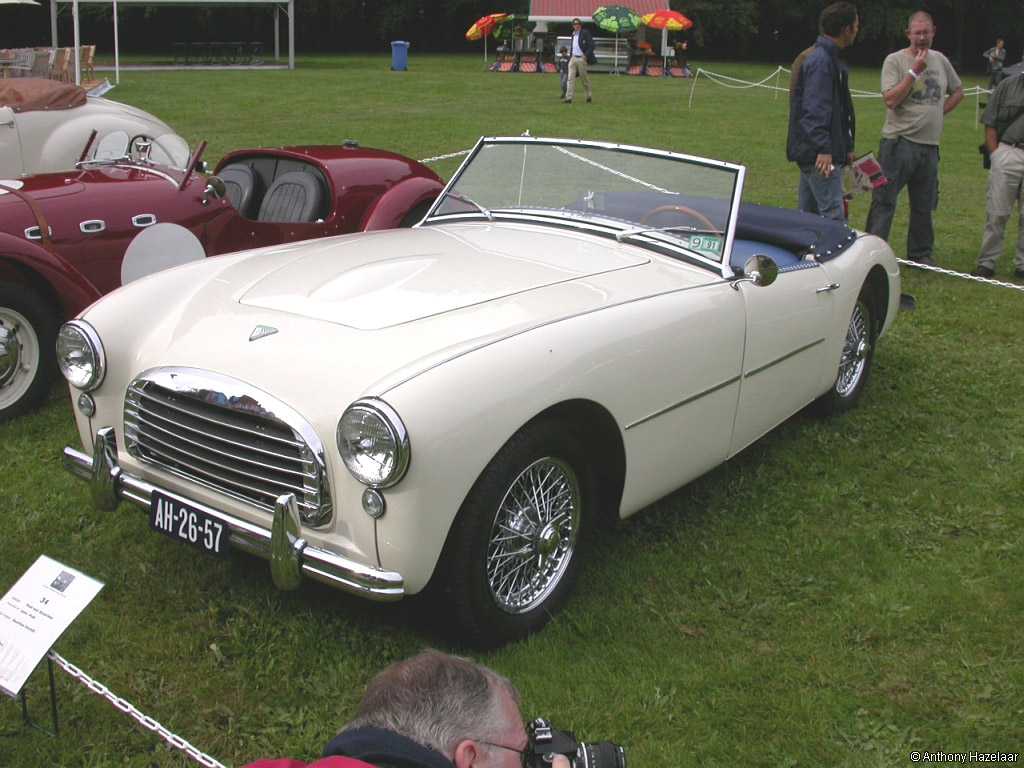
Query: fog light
point(86, 405)
point(373, 503)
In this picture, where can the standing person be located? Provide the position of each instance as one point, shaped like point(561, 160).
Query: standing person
point(1004, 135)
point(996, 57)
point(821, 119)
point(915, 84)
point(562, 64)
point(582, 53)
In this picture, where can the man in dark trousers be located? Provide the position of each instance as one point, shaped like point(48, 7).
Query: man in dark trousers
point(581, 53)
point(821, 119)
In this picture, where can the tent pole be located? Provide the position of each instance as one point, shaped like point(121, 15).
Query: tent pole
point(117, 51)
point(277, 33)
point(53, 23)
point(291, 34)
point(78, 55)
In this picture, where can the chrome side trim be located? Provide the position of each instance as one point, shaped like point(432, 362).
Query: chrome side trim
point(687, 401)
point(111, 483)
point(785, 357)
point(92, 226)
point(143, 220)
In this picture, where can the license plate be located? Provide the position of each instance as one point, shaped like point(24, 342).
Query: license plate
point(185, 523)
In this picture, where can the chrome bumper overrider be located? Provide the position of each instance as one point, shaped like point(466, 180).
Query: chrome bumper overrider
point(290, 555)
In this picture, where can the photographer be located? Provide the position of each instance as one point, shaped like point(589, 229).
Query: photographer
point(434, 710)
point(1004, 140)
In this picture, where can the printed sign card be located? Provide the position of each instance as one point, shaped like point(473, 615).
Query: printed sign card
point(863, 175)
point(34, 614)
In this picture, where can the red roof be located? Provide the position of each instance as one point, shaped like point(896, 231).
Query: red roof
point(570, 9)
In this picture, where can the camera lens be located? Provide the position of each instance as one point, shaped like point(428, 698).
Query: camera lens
point(600, 754)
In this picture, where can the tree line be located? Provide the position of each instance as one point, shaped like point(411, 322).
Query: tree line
point(773, 30)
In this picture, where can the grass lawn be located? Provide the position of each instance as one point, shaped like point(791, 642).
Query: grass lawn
point(840, 594)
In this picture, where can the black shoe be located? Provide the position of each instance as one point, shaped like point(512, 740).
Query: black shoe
point(567, 101)
point(986, 272)
point(589, 99)
point(927, 261)
point(1019, 274)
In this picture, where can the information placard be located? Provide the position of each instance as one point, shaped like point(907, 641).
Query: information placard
point(34, 614)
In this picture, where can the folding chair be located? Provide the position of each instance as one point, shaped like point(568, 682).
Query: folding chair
point(88, 61)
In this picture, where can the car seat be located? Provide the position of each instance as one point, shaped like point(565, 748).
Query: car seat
point(293, 197)
point(241, 188)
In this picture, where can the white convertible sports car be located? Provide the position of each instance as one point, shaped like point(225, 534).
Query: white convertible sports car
point(574, 330)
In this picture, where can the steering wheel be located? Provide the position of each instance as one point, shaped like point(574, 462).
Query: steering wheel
point(704, 221)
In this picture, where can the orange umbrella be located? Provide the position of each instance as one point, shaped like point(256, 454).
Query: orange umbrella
point(483, 26)
point(673, 21)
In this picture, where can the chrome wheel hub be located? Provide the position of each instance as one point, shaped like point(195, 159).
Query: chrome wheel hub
point(19, 356)
point(10, 354)
point(533, 535)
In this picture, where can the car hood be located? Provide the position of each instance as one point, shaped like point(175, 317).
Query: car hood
point(391, 278)
point(360, 314)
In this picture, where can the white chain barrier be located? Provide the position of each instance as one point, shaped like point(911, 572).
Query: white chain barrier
point(727, 81)
point(963, 275)
point(438, 158)
point(125, 706)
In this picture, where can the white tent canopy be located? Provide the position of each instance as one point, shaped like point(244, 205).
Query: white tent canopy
point(287, 5)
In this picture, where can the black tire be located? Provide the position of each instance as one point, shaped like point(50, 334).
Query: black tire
point(855, 362)
point(28, 360)
point(492, 539)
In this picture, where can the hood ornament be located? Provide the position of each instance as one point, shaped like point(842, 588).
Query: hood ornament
point(261, 331)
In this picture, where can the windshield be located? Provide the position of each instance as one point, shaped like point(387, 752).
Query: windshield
point(636, 194)
point(169, 149)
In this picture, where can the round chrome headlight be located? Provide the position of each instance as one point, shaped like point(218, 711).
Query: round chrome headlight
point(373, 443)
point(80, 355)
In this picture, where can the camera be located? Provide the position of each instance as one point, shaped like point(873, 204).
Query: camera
point(986, 156)
point(545, 741)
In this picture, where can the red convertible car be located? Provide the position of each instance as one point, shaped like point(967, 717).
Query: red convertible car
point(63, 235)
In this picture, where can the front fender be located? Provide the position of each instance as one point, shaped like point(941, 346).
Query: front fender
point(74, 291)
point(394, 205)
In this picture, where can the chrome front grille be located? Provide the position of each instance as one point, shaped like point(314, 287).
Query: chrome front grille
point(227, 436)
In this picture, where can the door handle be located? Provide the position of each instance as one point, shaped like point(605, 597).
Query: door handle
point(829, 287)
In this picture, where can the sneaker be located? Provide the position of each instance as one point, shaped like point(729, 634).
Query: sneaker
point(984, 272)
point(927, 261)
point(589, 99)
point(567, 101)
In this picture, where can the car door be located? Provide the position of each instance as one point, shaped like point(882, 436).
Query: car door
point(785, 351)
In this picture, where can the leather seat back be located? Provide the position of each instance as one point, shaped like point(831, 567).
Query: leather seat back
point(293, 197)
point(240, 183)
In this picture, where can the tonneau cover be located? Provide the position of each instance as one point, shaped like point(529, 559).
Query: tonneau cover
point(28, 94)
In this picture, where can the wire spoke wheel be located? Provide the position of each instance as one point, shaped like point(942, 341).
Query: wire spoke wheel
point(533, 535)
point(856, 347)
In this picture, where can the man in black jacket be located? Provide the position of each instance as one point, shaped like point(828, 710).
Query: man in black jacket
point(437, 711)
point(821, 119)
point(581, 53)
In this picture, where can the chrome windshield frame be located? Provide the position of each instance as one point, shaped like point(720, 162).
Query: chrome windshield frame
point(659, 240)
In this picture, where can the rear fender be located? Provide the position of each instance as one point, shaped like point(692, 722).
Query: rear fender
point(25, 262)
point(395, 204)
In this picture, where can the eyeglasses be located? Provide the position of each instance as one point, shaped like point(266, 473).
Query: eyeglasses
point(523, 754)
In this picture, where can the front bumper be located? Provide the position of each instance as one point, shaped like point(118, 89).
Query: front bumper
point(290, 556)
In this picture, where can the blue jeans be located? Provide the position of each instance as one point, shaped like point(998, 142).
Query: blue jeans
point(916, 167)
point(821, 194)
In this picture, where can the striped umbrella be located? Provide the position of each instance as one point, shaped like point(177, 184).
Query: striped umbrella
point(482, 28)
point(673, 21)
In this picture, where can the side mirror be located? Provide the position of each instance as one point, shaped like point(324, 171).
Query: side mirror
point(759, 270)
point(214, 188)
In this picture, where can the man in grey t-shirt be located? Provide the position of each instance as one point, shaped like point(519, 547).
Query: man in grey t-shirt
point(915, 83)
